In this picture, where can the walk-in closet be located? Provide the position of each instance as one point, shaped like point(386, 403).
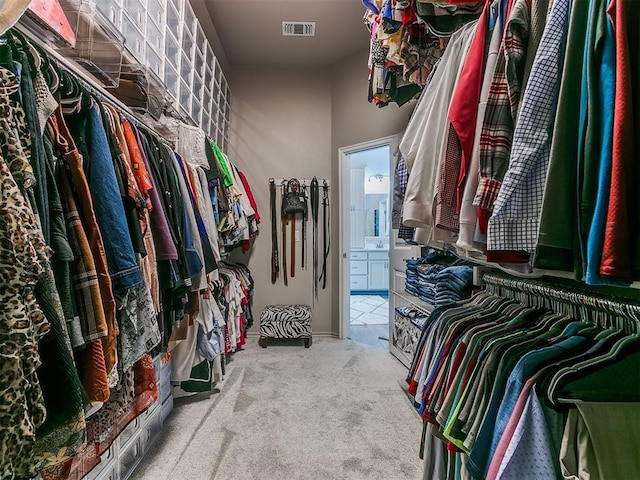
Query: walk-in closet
point(319, 239)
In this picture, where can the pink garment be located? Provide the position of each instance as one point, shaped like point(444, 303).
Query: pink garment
point(505, 440)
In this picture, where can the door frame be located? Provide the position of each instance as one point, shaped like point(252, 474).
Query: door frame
point(344, 282)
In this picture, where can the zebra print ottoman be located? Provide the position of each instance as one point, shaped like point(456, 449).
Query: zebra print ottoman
point(285, 321)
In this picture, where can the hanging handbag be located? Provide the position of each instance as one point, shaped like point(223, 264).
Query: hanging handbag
point(294, 201)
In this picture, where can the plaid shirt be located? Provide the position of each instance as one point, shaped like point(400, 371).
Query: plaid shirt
point(402, 175)
point(502, 105)
point(515, 220)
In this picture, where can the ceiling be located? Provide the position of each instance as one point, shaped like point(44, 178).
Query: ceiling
point(250, 31)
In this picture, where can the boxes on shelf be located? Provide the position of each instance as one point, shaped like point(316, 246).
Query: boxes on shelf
point(174, 19)
point(171, 80)
point(134, 37)
point(154, 62)
point(156, 9)
point(189, 17)
point(99, 46)
point(112, 10)
point(141, 89)
point(172, 51)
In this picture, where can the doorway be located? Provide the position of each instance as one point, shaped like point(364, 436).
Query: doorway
point(366, 183)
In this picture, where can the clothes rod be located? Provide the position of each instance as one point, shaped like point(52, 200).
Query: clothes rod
point(305, 182)
point(88, 79)
point(625, 310)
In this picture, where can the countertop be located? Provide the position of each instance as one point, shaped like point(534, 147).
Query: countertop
point(373, 249)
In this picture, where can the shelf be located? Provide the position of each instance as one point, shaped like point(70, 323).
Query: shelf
point(420, 304)
point(535, 273)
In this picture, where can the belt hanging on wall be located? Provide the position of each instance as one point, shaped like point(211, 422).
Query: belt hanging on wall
point(314, 199)
point(275, 261)
point(326, 231)
point(284, 221)
point(305, 218)
point(294, 201)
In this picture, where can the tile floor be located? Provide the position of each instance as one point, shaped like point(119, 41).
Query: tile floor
point(370, 320)
point(369, 310)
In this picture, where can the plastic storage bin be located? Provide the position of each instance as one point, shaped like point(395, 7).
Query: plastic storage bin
point(99, 46)
point(154, 61)
point(172, 50)
point(174, 20)
point(108, 466)
point(167, 408)
point(129, 433)
point(186, 69)
point(155, 38)
point(112, 9)
point(134, 37)
point(216, 91)
point(130, 457)
point(206, 120)
point(141, 89)
point(156, 10)
point(171, 80)
point(137, 10)
point(206, 101)
point(188, 43)
point(152, 430)
point(189, 17)
point(208, 78)
point(198, 62)
point(196, 111)
point(201, 39)
point(196, 87)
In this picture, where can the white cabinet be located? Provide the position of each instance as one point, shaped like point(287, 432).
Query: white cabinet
point(378, 275)
point(369, 270)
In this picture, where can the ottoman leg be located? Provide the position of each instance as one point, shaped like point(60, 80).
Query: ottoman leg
point(307, 342)
point(263, 342)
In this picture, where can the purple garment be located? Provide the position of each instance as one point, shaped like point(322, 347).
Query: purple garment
point(162, 239)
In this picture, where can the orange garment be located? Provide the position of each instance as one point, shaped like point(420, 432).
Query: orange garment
point(73, 160)
point(90, 361)
point(137, 162)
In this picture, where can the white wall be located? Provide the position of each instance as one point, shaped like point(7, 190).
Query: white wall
point(291, 122)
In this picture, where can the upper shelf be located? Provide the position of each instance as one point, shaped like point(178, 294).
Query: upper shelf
point(534, 273)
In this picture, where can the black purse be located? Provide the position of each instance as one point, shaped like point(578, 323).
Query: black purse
point(294, 200)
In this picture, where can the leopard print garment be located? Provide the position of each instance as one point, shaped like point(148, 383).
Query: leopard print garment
point(23, 259)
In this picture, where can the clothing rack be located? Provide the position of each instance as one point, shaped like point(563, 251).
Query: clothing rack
point(604, 310)
point(90, 82)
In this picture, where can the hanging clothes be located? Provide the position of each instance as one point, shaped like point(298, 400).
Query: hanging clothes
point(420, 145)
point(114, 244)
point(489, 376)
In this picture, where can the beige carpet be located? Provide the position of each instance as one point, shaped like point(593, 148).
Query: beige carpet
point(334, 411)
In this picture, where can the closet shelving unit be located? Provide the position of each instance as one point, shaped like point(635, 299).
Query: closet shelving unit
point(400, 297)
point(166, 36)
point(400, 329)
point(405, 334)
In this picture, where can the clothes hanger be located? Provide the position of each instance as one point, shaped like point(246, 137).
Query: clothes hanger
point(563, 378)
point(49, 68)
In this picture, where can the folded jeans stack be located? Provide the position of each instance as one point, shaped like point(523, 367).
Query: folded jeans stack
point(454, 284)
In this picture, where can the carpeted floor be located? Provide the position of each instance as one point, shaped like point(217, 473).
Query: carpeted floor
point(334, 411)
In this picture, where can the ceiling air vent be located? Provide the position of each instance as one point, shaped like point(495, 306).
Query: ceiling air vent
point(299, 29)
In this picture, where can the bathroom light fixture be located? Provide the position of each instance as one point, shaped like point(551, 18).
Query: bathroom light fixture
point(377, 183)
